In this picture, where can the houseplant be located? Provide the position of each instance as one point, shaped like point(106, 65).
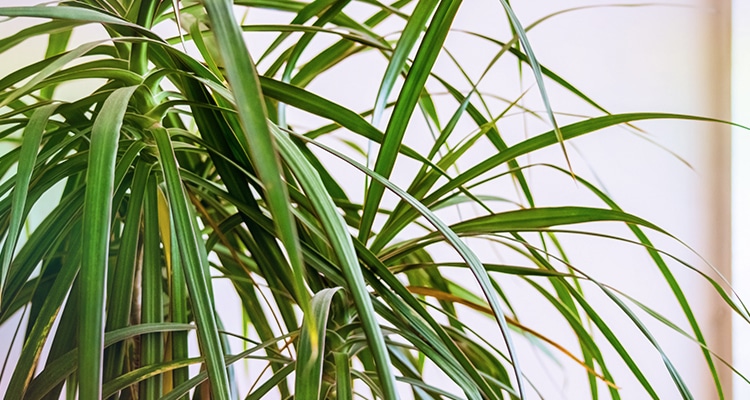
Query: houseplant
point(168, 175)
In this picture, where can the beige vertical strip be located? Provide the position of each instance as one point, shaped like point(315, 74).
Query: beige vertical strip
point(719, 323)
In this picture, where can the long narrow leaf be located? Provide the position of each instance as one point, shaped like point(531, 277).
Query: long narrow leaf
point(414, 28)
point(96, 229)
point(309, 368)
point(341, 242)
point(415, 81)
point(256, 137)
point(27, 159)
point(195, 268)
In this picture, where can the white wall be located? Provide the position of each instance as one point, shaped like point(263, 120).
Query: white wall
point(657, 58)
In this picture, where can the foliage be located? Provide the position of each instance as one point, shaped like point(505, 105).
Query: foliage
point(183, 169)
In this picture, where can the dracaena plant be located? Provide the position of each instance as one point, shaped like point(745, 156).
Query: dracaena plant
point(187, 165)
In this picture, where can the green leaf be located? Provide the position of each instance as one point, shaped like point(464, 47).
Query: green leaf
point(58, 42)
point(49, 69)
point(27, 159)
point(120, 296)
point(532, 144)
point(545, 217)
point(343, 376)
point(152, 308)
point(195, 268)
point(331, 11)
point(37, 337)
point(402, 111)
point(480, 273)
point(256, 138)
point(397, 64)
point(521, 32)
point(260, 392)
point(309, 369)
point(56, 372)
point(341, 242)
point(80, 14)
point(96, 229)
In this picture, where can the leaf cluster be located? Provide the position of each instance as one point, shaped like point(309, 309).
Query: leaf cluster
point(188, 165)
